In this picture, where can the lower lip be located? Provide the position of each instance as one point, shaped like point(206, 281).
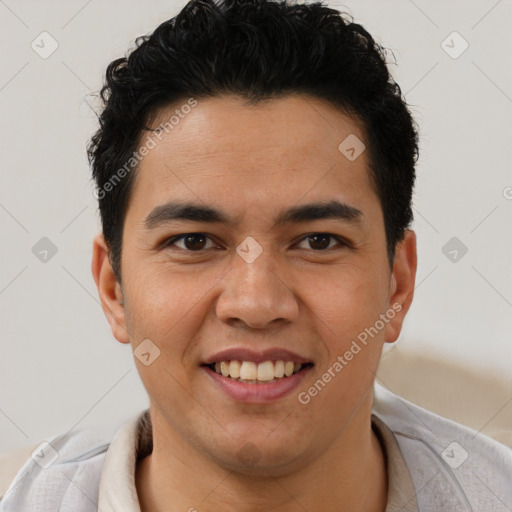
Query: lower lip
point(257, 393)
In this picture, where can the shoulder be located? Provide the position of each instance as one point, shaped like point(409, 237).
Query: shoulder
point(454, 466)
point(68, 464)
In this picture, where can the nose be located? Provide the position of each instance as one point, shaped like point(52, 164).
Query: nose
point(256, 294)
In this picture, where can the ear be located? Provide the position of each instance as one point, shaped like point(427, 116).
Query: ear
point(403, 278)
point(109, 290)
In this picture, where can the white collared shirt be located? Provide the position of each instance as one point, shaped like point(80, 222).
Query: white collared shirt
point(433, 463)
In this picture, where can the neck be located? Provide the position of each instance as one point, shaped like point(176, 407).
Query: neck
point(349, 475)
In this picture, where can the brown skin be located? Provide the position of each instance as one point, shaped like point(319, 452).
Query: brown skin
point(253, 162)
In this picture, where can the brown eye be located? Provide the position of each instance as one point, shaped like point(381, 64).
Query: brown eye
point(192, 242)
point(320, 241)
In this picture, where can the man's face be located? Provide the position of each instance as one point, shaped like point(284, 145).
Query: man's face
point(281, 289)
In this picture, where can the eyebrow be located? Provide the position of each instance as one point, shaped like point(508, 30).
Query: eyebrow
point(198, 213)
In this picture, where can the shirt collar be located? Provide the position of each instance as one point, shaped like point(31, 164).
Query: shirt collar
point(117, 491)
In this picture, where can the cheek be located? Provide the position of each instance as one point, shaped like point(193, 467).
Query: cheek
point(353, 331)
point(345, 302)
point(347, 321)
point(168, 306)
point(161, 306)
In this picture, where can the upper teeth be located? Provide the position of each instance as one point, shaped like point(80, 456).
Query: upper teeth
point(248, 370)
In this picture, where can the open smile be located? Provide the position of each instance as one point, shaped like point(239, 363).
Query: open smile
point(247, 381)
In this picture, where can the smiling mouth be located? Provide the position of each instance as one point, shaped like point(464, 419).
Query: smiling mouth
point(250, 372)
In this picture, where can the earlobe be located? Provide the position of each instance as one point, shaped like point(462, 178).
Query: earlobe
point(109, 289)
point(402, 284)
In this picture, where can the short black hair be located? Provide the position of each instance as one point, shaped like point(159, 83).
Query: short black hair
point(257, 50)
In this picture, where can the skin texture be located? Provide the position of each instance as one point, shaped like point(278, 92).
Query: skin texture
point(252, 162)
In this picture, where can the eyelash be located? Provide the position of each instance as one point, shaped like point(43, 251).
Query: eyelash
point(170, 241)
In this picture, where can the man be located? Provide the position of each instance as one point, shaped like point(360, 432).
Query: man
point(254, 168)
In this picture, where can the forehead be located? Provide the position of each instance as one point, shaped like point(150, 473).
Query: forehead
point(222, 150)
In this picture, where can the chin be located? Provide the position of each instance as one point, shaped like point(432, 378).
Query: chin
point(259, 456)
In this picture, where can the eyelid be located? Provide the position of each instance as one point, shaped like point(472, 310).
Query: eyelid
point(342, 242)
point(169, 242)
